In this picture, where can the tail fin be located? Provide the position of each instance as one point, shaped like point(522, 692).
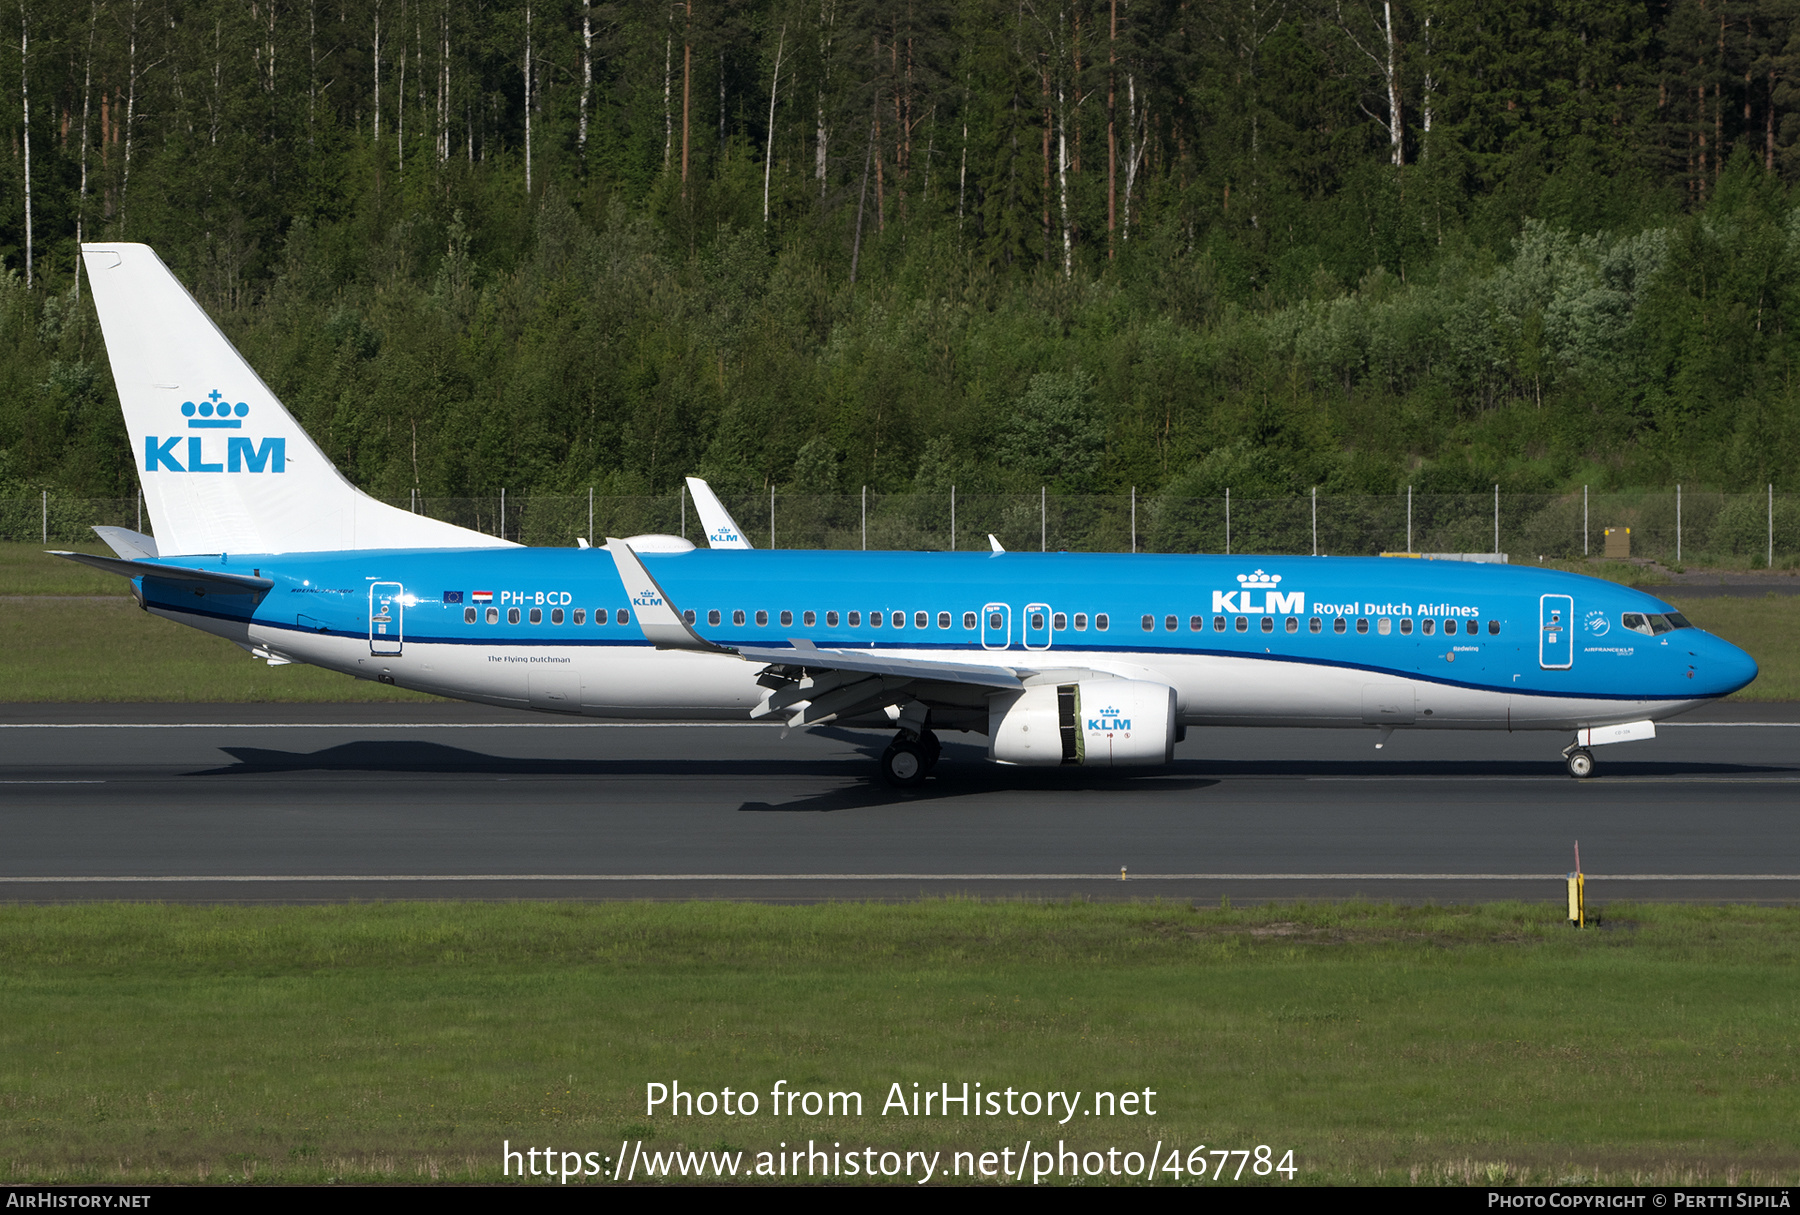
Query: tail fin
point(722, 530)
point(225, 468)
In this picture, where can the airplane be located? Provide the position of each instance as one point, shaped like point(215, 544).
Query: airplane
point(1058, 659)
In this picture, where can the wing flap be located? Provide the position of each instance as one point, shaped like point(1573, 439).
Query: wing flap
point(805, 655)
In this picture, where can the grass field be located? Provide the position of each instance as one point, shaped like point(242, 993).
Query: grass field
point(1380, 1044)
point(70, 637)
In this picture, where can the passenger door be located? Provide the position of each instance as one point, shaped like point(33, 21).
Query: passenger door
point(1556, 632)
point(996, 626)
point(387, 617)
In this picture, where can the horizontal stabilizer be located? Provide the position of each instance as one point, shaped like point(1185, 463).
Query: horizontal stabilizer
point(241, 583)
point(874, 662)
point(127, 543)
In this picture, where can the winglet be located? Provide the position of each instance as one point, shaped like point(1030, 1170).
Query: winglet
point(722, 530)
point(998, 547)
point(656, 614)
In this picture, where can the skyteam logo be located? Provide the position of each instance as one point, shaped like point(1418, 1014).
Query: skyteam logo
point(1257, 594)
point(241, 454)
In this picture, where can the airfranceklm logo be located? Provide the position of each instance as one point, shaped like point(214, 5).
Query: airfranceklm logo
point(1250, 586)
point(240, 455)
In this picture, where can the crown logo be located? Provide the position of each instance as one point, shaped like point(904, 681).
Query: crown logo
point(215, 413)
point(1257, 580)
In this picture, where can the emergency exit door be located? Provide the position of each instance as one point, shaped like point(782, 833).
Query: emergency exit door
point(1556, 633)
point(387, 617)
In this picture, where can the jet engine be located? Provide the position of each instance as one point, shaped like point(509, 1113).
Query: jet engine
point(1105, 723)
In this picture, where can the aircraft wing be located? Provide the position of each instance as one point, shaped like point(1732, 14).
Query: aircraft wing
point(722, 530)
point(808, 657)
point(239, 583)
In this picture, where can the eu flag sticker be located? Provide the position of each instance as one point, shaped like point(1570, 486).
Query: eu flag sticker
point(452, 596)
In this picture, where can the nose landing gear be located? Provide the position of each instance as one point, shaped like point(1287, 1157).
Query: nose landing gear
point(1580, 761)
point(910, 758)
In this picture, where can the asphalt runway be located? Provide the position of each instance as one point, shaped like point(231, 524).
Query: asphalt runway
point(299, 803)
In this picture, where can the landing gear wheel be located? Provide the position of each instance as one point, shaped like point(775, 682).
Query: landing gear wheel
point(933, 749)
point(1581, 764)
point(904, 764)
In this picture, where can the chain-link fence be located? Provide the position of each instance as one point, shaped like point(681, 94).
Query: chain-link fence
point(1673, 527)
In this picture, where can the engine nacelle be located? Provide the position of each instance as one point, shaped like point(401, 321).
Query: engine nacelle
point(1105, 723)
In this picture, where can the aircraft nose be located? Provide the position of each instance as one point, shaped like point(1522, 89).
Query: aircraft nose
point(1721, 667)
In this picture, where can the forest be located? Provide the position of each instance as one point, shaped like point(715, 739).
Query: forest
point(814, 245)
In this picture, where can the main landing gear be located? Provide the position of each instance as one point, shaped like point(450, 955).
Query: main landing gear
point(910, 758)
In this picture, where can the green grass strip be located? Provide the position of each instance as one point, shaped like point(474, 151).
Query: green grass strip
point(1469, 1044)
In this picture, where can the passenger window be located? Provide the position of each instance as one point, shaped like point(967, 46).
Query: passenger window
point(831, 619)
point(787, 618)
point(969, 620)
point(1339, 625)
point(1406, 626)
point(1362, 624)
point(737, 616)
point(996, 620)
point(1472, 627)
point(899, 620)
point(874, 620)
point(1493, 628)
point(1449, 627)
point(512, 615)
point(809, 619)
point(1149, 623)
point(1081, 622)
point(687, 617)
point(1037, 620)
point(1059, 622)
point(1218, 624)
point(762, 620)
point(1428, 627)
point(581, 616)
point(1315, 625)
point(621, 617)
point(493, 615)
point(921, 620)
point(1293, 625)
point(712, 617)
point(1268, 624)
point(468, 615)
point(1243, 624)
point(556, 616)
point(537, 615)
point(855, 620)
point(1170, 624)
point(1100, 621)
point(1384, 626)
point(1196, 623)
point(943, 620)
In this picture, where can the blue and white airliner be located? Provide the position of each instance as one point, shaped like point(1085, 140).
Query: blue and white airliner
point(1057, 658)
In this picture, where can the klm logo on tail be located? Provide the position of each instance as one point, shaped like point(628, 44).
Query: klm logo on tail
point(240, 455)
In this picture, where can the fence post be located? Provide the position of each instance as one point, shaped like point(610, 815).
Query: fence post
point(1496, 520)
point(140, 497)
point(953, 518)
point(1044, 518)
point(771, 516)
point(683, 511)
point(47, 516)
point(865, 518)
point(1409, 547)
point(1134, 518)
point(1228, 520)
point(1584, 521)
point(1677, 523)
point(1771, 562)
point(590, 535)
point(503, 512)
point(1315, 496)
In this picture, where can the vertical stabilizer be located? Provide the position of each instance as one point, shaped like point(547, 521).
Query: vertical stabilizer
point(225, 468)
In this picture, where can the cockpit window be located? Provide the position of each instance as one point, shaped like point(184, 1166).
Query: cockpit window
point(1652, 625)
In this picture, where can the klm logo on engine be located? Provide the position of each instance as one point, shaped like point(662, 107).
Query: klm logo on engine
point(1257, 594)
point(202, 452)
point(1109, 719)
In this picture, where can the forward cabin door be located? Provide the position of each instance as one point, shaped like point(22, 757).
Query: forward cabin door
point(996, 626)
point(1556, 634)
point(387, 617)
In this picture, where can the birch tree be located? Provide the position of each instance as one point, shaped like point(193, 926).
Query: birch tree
point(1374, 37)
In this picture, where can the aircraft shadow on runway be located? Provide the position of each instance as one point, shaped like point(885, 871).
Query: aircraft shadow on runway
point(428, 758)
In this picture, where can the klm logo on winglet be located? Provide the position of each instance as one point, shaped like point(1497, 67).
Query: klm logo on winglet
point(240, 455)
point(1244, 599)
